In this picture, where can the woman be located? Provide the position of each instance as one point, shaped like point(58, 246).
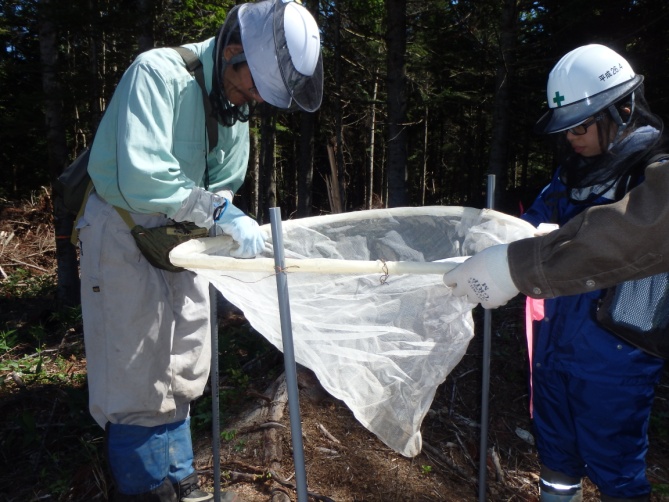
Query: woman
point(592, 392)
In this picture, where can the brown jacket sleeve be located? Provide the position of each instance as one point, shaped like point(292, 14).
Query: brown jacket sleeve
point(602, 246)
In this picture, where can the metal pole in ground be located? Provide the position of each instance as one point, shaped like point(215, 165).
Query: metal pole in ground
point(288, 355)
point(214, 377)
point(485, 375)
point(214, 380)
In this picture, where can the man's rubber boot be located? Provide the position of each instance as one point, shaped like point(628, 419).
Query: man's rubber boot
point(558, 487)
point(164, 493)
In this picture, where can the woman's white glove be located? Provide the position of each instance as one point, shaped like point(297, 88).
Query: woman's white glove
point(484, 278)
point(243, 229)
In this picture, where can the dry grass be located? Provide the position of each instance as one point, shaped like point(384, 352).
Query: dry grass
point(26, 236)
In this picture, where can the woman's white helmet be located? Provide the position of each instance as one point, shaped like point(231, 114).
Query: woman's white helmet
point(282, 46)
point(584, 82)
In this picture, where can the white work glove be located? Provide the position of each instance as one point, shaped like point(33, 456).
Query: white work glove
point(243, 229)
point(484, 278)
point(545, 229)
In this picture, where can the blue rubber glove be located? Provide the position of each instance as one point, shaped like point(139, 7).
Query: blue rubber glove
point(243, 229)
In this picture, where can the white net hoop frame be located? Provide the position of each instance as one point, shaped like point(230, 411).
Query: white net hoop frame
point(370, 313)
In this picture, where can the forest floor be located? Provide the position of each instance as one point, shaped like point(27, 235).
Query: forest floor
point(51, 450)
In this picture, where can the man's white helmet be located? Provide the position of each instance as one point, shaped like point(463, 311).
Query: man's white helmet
point(583, 83)
point(282, 46)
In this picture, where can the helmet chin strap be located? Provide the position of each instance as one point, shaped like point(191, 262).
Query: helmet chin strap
point(622, 125)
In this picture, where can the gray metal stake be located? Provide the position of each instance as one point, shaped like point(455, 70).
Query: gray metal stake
point(288, 355)
point(214, 376)
point(485, 375)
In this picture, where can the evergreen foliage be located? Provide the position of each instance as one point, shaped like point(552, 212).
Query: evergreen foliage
point(454, 60)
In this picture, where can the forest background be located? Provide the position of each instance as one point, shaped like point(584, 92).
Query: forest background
point(422, 99)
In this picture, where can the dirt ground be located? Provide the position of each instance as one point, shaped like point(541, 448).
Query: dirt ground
point(346, 463)
point(51, 451)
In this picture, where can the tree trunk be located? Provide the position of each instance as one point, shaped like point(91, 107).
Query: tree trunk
point(253, 181)
point(339, 135)
point(499, 150)
point(305, 174)
point(372, 143)
point(68, 293)
point(96, 70)
point(145, 10)
point(423, 181)
point(306, 164)
point(267, 163)
point(397, 104)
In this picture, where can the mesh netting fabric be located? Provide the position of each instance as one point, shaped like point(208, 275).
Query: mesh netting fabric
point(642, 304)
point(380, 343)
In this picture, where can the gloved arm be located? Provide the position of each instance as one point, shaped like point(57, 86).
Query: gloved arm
point(244, 230)
point(206, 209)
point(484, 278)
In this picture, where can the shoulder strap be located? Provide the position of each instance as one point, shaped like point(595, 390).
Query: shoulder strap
point(125, 216)
point(74, 236)
point(194, 66)
point(633, 176)
point(659, 157)
point(123, 213)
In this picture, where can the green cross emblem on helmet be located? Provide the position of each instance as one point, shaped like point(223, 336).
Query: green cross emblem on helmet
point(558, 99)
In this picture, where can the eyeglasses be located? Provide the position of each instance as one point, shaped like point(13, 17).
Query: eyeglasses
point(582, 128)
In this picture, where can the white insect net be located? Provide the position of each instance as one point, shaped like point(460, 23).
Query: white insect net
point(370, 314)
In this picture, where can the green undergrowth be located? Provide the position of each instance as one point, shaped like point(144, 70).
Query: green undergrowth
point(50, 447)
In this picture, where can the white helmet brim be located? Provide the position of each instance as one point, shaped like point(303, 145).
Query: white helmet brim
point(584, 82)
point(561, 119)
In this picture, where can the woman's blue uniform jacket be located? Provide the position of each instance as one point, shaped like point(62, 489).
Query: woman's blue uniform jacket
point(569, 338)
